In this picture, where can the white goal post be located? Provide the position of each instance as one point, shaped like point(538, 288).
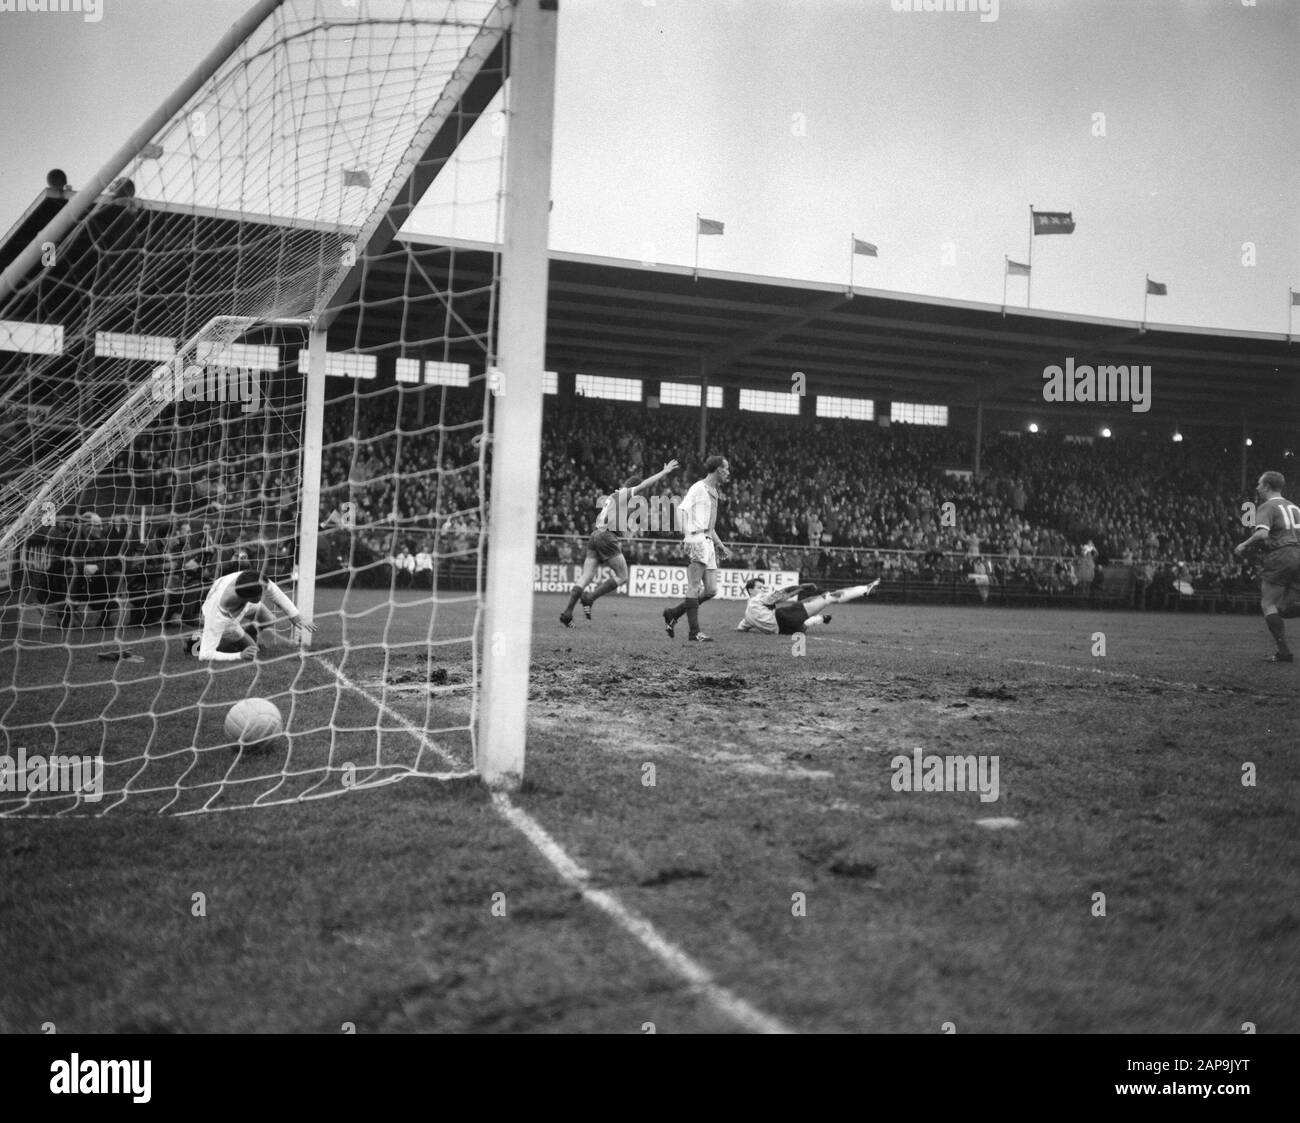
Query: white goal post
point(517, 396)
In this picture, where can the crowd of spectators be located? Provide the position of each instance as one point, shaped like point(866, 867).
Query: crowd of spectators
point(845, 485)
point(89, 566)
point(402, 485)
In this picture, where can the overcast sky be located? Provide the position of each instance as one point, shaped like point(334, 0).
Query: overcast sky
point(797, 122)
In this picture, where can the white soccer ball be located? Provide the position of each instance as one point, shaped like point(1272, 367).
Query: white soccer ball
point(253, 721)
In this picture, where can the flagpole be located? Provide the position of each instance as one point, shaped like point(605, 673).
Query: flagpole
point(1146, 295)
point(695, 275)
point(1029, 281)
point(1006, 258)
point(1290, 303)
point(852, 238)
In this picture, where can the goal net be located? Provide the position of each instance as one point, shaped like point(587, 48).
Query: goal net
point(262, 339)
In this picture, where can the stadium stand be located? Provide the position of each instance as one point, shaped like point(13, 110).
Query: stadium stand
point(838, 500)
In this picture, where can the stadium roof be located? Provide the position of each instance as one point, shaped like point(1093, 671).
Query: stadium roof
point(628, 319)
point(623, 318)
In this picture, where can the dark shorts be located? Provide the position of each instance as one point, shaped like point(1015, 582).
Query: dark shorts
point(605, 546)
point(1281, 567)
point(92, 588)
point(46, 586)
point(790, 618)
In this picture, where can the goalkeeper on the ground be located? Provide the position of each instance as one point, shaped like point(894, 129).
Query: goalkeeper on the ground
point(234, 613)
point(792, 608)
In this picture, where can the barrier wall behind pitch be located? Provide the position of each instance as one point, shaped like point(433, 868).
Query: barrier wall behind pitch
point(666, 581)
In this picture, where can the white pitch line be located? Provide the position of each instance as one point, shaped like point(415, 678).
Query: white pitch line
point(409, 726)
point(1051, 666)
point(697, 976)
point(677, 961)
point(1114, 674)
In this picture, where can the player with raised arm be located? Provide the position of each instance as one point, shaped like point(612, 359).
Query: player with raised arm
point(704, 549)
point(1277, 529)
point(605, 547)
point(793, 608)
point(233, 614)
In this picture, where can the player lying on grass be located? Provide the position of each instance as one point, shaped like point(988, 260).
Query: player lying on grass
point(605, 547)
point(234, 613)
point(793, 608)
point(1277, 530)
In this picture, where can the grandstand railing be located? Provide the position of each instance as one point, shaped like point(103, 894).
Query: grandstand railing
point(1012, 579)
point(1024, 580)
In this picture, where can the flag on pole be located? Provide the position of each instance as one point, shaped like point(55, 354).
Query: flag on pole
point(703, 226)
point(1053, 222)
point(1155, 288)
point(864, 248)
point(1295, 298)
point(356, 177)
point(1016, 269)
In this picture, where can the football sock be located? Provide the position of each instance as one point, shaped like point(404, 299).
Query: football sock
point(852, 592)
point(693, 613)
point(1278, 631)
point(677, 611)
point(606, 586)
point(575, 595)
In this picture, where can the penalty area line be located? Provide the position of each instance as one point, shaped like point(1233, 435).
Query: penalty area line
point(698, 978)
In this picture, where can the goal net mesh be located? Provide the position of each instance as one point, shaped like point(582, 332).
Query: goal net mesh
point(321, 213)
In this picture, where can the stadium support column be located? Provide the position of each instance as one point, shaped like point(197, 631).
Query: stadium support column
point(1244, 437)
point(704, 405)
point(313, 425)
point(517, 404)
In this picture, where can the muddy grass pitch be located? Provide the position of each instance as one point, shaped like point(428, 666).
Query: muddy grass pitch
point(1136, 872)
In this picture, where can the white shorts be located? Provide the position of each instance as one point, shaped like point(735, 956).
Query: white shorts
point(702, 552)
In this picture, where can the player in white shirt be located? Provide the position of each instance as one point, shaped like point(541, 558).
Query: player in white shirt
point(698, 513)
point(605, 547)
point(233, 613)
point(782, 611)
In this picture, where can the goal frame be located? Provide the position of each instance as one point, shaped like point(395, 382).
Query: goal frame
point(516, 355)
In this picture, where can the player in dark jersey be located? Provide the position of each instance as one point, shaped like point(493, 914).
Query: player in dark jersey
point(614, 523)
point(1277, 529)
point(92, 572)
